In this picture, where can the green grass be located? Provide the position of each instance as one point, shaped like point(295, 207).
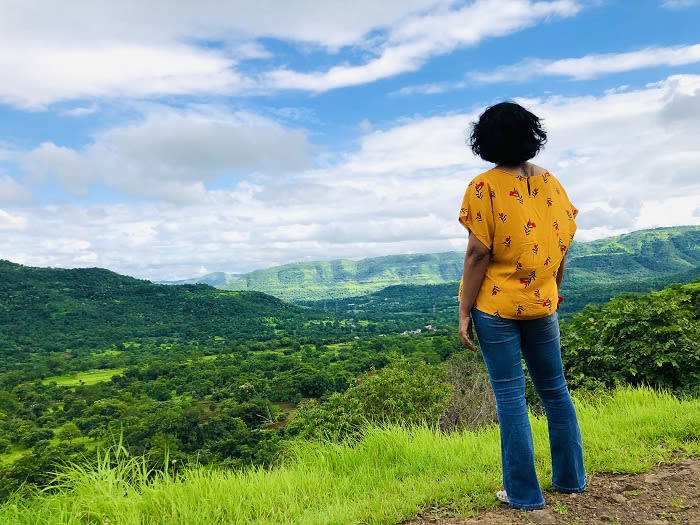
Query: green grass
point(336, 347)
point(386, 477)
point(10, 456)
point(88, 377)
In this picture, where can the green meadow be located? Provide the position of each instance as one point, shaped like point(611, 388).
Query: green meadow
point(88, 377)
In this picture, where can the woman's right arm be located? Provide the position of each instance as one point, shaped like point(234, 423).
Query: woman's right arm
point(560, 273)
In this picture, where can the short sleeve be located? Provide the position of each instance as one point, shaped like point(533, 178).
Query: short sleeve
point(568, 225)
point(476, 212)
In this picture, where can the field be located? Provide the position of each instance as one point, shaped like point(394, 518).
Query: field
point(88, 377)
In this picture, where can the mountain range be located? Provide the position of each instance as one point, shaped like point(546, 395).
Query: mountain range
point(629, 262)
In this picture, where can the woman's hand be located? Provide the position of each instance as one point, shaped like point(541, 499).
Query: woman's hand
point(466, 334)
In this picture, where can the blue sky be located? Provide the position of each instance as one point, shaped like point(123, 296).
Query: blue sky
point(168, 139)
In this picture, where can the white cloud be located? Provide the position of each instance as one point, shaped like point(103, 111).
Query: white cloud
point(100, 50)
point(80, 111)
point(619, 154)
point(172, 154)
point(609, 218)
point(431, 89)
point(592, 66)
point(10, 222)
point(66, 246)
point(414, 145)
point(679, 4)
point(12, 192)
point(50, 52)
point(38, 75)
point(333, 24)
point(409, 45)
point(48, 161)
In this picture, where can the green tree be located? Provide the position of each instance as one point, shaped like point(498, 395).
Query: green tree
point(404, 392)
point(68, 431)
point(637, 339)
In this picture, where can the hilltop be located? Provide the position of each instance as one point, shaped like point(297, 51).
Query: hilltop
point(63, 309)
point(341, 277)
point(629, 262)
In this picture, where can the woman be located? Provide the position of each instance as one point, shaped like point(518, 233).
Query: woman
point(520, 223)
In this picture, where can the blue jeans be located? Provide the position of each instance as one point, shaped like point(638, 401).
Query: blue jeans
point(502, 342)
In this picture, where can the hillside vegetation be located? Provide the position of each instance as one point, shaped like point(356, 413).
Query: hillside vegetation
point(389, 475)
point(436, 304)
point(191, 372)
point(57, 309)
point(193, 377)
point(343, 277)
point(651, 339)
point(637, 261)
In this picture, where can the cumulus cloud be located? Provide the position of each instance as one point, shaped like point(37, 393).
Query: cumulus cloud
point(609, 218)
point(48, 161)
point(12, 192)
point(621, 153)
point(618, 154)
point(80, 111)
point(37, 75)
point(11, 222)
point(411, 147)
point(172, 154)
point(592, 66)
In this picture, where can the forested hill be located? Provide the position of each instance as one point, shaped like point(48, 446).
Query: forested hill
point(341, 277)
point(640, 256)
point(45, 308)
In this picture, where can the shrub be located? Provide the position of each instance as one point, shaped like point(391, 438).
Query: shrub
point(649, 339)
point(403, 392)
point(472, 404)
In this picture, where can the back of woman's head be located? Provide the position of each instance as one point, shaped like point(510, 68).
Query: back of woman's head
point(507, 134)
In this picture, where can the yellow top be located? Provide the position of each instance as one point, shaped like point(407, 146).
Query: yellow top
point(529, 223)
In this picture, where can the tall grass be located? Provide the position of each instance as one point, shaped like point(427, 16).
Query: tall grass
point(388, 475)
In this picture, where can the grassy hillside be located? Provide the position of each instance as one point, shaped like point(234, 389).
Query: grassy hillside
point(345, 278)
point(389, 476)
point(621, 262)
point(640, 255)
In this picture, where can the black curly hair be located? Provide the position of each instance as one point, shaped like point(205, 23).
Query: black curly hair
point(507, 134)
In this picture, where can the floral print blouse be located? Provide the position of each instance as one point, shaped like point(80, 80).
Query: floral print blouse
point(529, 223)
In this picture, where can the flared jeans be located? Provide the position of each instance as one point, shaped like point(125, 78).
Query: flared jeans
point(503, 343)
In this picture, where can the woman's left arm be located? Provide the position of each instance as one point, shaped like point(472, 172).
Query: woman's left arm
point(476, 260)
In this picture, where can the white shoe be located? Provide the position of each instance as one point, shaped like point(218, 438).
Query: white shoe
point(502, 496)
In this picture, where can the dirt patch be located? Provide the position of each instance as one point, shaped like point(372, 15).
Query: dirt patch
point(664, 495)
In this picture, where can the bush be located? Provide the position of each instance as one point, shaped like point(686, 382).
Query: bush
point(651, 339)
point(472, 405)
point(403, 392)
